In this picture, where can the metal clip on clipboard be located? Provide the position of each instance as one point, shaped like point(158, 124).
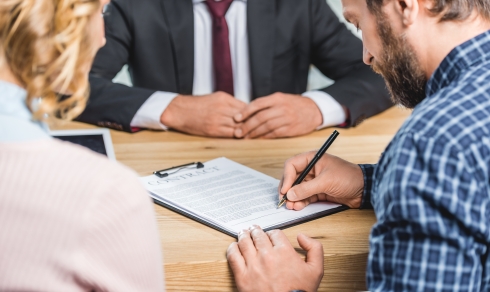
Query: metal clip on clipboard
point(165, 172)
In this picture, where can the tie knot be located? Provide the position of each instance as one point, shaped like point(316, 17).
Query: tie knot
point(218, 8)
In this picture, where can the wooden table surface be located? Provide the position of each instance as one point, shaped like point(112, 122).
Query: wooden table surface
point(194, 254)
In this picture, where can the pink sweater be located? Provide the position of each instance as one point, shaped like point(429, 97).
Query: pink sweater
point(71, 220)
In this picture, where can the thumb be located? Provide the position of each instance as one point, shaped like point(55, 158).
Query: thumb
point(305, 190)
point(314, 251)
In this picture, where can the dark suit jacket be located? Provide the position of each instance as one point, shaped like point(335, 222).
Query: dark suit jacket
point(156, 39)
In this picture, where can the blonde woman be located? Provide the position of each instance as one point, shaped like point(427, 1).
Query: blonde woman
point(70, 220)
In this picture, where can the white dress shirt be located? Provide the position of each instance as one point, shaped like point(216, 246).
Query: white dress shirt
point(148, 116)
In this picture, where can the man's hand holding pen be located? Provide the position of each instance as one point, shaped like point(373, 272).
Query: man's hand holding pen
point(331, 179)
point(266, 261)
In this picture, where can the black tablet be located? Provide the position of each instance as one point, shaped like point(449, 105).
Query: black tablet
point(97, 140)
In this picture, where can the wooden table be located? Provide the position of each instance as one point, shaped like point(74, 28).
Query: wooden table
point(194, 254)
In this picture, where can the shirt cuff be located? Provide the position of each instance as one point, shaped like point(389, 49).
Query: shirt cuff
point(332, 112)
point(368, 173)
point(148, 115)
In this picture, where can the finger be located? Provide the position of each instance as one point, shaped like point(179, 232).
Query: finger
point(278, 238)
point(314, 251)
point(290, 205)
point(219, 130)
point(235, 258)
point(224, 132)
point(292, 168)
point(246, 245)
point(267, 114)
point(237, 105)
point(307, 189)
point(227, 122)
point(260, 239)
point(253, 122)
point(298, 206)
point(267, 124)
point(221, 96)
point(332, 199)
point(281, 132)
point(254, 107)
point(279, 187)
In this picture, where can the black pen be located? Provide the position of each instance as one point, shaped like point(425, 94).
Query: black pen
point(312, 163)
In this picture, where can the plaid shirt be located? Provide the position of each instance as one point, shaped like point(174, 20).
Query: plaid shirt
point(431, 187)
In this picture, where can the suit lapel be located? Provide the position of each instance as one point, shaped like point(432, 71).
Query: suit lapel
point(180, 19)
point(261, 31)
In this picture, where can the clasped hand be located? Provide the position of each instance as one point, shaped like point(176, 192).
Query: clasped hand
point(278, 115)
point(221, 115)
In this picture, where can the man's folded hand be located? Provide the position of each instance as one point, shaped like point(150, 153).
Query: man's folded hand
point(278, 115)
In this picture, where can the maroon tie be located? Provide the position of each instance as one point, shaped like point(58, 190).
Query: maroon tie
point(223, 72)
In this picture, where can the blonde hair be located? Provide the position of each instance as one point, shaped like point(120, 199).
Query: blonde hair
point(47, 47)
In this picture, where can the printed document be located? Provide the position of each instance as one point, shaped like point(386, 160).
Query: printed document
point(228, 196)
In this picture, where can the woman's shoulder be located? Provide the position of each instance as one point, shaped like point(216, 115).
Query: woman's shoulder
point(91, 164)
point(51, 158)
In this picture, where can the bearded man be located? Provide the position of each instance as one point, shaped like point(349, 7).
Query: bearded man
point(431, 188)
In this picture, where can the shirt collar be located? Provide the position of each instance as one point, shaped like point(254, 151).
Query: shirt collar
point(464, 56)
point(16, 123)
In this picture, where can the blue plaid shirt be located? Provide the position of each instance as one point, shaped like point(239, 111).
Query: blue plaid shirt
point(431, 187)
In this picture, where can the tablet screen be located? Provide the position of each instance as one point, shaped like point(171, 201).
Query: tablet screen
point(92, 142)
point(98, 140)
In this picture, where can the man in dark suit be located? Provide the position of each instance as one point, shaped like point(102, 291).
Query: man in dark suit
point(230, 68)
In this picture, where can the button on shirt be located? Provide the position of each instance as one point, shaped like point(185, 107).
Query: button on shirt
point(431, 187)
point(148, 116)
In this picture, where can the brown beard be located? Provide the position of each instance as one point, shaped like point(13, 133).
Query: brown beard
point(400, 67)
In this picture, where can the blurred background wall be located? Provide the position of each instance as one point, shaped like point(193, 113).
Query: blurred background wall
point(315, 81)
